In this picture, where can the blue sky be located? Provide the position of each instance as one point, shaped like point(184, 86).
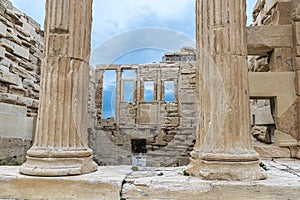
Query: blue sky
point(114, 17)
point(133, 31)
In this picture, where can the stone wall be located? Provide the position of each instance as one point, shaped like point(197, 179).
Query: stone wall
point(272, 73)
point(21, 49)
point(167, 127)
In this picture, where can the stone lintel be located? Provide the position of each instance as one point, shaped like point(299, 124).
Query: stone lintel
point(263, 39)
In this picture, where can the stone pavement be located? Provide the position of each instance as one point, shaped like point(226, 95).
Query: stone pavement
point(121, 182)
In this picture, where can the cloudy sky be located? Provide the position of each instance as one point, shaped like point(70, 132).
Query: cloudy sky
point(133, 31)
point(114, 17)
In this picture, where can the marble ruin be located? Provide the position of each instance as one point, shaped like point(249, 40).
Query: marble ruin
point(21, 50)
point(60, 145)
point(164, 126)
point(223, 149)
point(51, 100)
point(273, 77)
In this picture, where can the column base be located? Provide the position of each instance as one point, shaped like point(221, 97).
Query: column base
point(58, 166)
point(226, 170)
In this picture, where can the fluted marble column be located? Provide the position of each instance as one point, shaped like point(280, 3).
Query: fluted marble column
point(296, 39)
point(223, 149)
point(60, 144)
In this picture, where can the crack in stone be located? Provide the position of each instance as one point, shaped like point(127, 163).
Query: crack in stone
point(288, 169)
point(124, 182)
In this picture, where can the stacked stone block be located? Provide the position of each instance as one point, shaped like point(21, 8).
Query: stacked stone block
point(295, 150)
point(276, 53)
point(168, 127)
point(21, 50)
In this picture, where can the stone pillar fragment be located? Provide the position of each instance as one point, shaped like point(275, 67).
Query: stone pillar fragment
point(296, 39)
point(223, 149)
point(99, 94)
point(118, 94)
point(60, 145)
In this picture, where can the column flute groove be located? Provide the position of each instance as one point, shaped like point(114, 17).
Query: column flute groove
point(223, 150)
point(60, 146)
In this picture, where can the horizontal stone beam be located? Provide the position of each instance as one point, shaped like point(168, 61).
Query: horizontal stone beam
point(263, 39)
point(279, 85)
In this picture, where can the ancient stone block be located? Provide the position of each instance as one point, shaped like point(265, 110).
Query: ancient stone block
point(295, 152)
point(297, 50)
point(274, 84)
point(187, 96)
point(148, 113)
point(12, 109)
point(288, 122)
point(281, 14)
point(297, 82)
point(10, 78)
point(259, 64)
point(20, 91)
point(8, 45)
point(272, 151)
point(261, 115)
point(297, 62)
point(16, 126)
point(2, 52)
point(296, 28)
point(13, 151)
point(262, 39)
point(281, 60)
point(5, 62)
point(284, 140)
point(3, 29)
point(24, 101)
point(3, 87)
point(21, 51)
point(8, 98)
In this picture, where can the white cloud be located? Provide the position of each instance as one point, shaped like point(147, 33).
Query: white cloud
point(116, 16)
point(112, 17)
point(33, 8)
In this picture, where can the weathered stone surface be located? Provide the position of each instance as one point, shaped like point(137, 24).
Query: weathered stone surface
point(8, 98)
point(21, 50)
point(14, 123)
point(170, 183)
point(262, 39)
point(104, 184)
point(261, 134)
point(167, 127)
point(120, 182)
point(274, 84)
point(259, 64)
point(3, 29)
point(16, 134)
point(13, 150)
point(272, 12)
point(261, 112)
point(295, 152)
point(297, 82)
point(223, 149)
point(284, 140)
point(60, 145)
point(12, 109)
point(288, 122)
point(271, 151)
point(2, 52)
point(281, 60)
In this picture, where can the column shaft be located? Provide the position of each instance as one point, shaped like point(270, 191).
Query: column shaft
point(296, 39)
point(118, 94)
point(223, 149)
point(60, 145)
